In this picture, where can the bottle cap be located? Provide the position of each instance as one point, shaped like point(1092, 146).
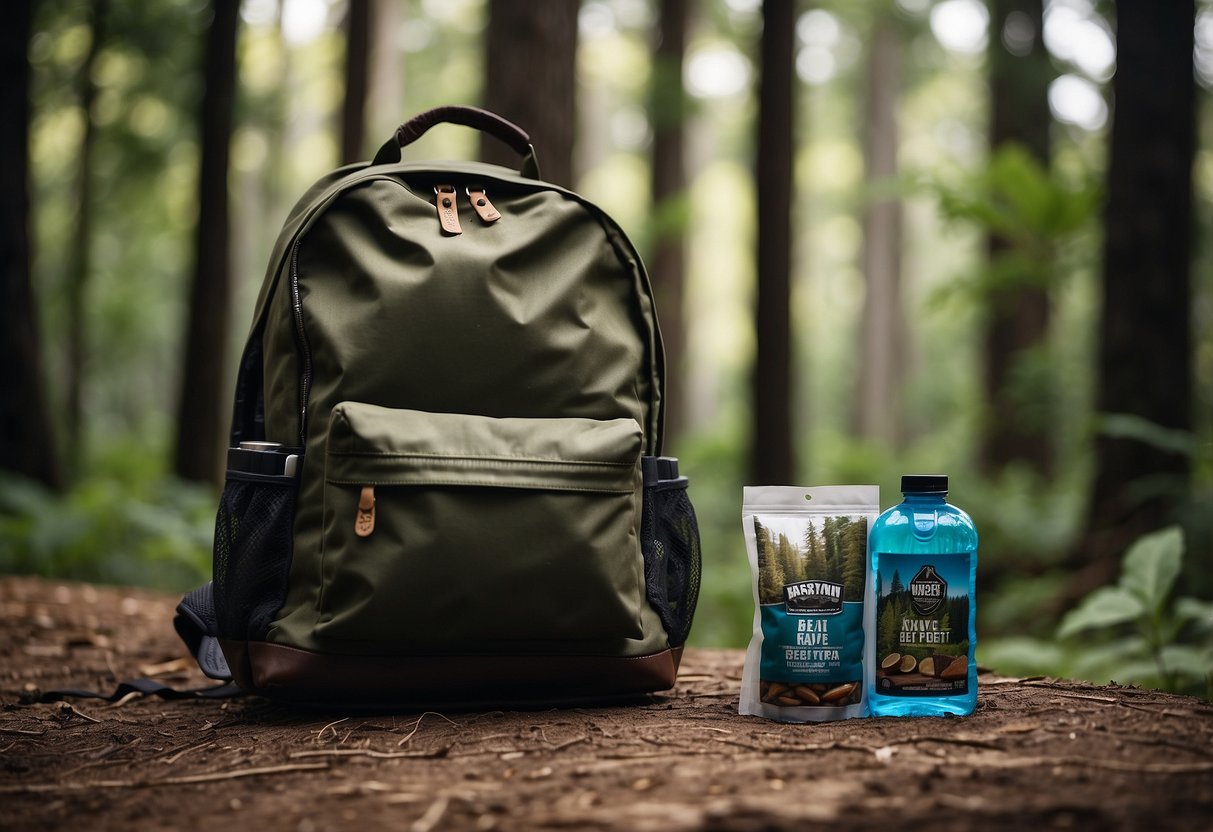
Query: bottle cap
point(260, 446)
point(924, 484)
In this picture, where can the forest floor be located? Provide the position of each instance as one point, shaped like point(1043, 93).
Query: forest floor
point(1038, 753)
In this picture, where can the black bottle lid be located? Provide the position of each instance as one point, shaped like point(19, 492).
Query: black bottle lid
point(924, 484)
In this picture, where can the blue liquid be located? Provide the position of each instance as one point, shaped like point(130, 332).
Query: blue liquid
point(925, 524)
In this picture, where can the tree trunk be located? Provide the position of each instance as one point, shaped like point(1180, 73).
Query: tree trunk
point(386, 83)
point(883, 324)
point(358, 26)
point(27, 445)
point(773, 453)
point(667, 263)
point(205, 397)
point(1017, 318)
point(79, 262)
point(531, 80)
point(1145, 342)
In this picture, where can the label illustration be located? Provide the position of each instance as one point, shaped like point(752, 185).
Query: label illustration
point(922, 626)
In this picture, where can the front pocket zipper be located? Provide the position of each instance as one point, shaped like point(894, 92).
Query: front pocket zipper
point(364, 523)
point(466, 532)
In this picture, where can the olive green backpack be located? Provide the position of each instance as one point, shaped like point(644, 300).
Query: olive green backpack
point(445, 483)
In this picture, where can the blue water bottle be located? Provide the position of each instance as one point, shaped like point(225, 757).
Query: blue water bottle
point(924, 565)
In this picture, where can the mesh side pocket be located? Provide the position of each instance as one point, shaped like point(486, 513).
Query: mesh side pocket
point(672, 562)
point(253, 533)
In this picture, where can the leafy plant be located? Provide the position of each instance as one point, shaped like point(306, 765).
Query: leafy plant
point(152, 533)
point(1150, 647)
point(1128, 632)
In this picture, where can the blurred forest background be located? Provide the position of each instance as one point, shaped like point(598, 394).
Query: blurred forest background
point(886, 236)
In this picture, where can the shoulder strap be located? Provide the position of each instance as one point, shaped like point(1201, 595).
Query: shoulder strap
point(195, 622)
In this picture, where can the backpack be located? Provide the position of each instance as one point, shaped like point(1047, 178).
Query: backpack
point(445, 482)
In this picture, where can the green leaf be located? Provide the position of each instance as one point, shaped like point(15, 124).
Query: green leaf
point(1129, 426)
point(1021, 655)
point(1188, 660)
point(1151, 566)
point(1102, 608)
point(1197, 611)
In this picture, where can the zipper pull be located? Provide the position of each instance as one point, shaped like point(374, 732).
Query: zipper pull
point(480, 201)
point(364, 523)
point(448, 213)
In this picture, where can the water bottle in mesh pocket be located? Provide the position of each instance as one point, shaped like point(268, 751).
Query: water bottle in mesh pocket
point(253, 534)
point(670, 544)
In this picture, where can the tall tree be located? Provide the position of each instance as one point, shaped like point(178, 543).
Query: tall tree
point(790, 560)
point(770, 570)
point(204, 400)
point(1018, 314)
point(27, 445)
point(667, 114)
point(358, 28)
point(530, 79)
point(772, 450)
point(815, 560)
point(1144, 358)
point(79, 264)
point(882, 346)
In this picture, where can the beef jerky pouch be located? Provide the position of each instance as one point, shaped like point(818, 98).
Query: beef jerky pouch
point(808, 551)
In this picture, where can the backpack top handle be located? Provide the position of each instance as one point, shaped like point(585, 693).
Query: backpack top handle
point(496, 126)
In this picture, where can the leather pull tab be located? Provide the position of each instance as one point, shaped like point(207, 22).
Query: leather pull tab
point(448, 211)
point(480, 202)
point(364, 523)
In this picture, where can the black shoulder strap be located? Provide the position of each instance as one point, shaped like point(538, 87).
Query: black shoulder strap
point(195, 622)
point(198, 627)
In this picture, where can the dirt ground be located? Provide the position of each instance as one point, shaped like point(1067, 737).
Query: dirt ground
point(1038, 753)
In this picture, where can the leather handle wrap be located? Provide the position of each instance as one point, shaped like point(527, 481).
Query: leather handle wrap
point(506, 131)
point(481, 120)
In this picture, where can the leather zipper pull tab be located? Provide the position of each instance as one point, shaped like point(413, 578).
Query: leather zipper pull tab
point(480, 202)
point(364, 523)
point(448, 212)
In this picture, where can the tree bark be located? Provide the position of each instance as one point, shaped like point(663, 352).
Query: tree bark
point(358, 27)
point(79, 263)
point(883, 324)
point(531, 80)
point(773, 452)
point(27, 443)
point(1145, 340)
point(667, 114)
point(386, 82)
point(205, 397)
point(1018, 317)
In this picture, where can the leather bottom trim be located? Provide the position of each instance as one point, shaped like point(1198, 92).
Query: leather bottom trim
point(328, 680)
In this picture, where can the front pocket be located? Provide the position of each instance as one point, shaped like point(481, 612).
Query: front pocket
point(448, 531)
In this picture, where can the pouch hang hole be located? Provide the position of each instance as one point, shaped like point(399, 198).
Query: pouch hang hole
point(480, 203)
point(364, 522)
point(448, 211)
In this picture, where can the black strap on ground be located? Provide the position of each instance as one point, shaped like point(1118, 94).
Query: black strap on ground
point(195, 622)
point(145, 687)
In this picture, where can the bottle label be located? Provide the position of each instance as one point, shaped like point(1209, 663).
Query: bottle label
point(922, 624)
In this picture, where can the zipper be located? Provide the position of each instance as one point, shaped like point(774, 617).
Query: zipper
point(305, 386)
point(480, 203)
point(448, 210)
point(364, 521)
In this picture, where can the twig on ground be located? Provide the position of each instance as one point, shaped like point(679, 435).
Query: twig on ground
point(417, 726)
point(185, 780)
point(432, 816)
point(370, 752)
point(329, 727)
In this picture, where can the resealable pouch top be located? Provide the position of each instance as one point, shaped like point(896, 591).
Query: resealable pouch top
point(808, 551)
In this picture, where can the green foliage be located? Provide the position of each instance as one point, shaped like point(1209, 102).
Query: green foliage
point(1130, 632)
point(119, 526)
point(1031, 209)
